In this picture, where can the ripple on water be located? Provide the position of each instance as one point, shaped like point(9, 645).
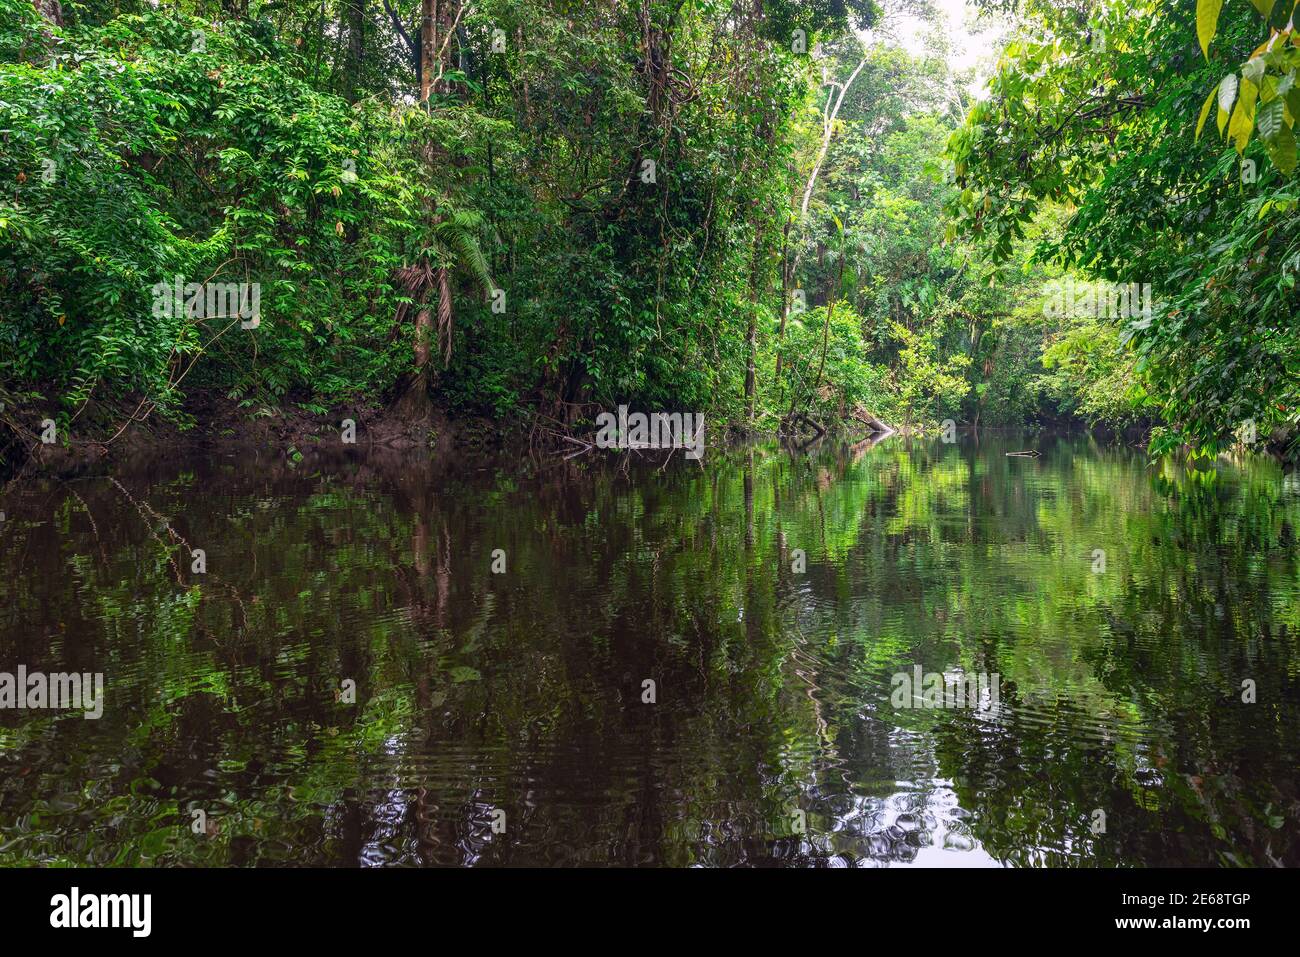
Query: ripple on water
point(770, 737)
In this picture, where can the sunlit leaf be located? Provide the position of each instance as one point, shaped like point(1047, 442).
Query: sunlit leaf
point(1205, 112)
point(1207, 22)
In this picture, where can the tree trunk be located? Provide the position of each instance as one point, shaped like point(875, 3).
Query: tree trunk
point(423, 340)
point(413, 404)
point(785, 294)
point(444, 313)
point(832, 110)
point(51, 10)
point(428, 44)
point(437, 22)
point(826, 326)
point(751, 339)
point(756, 285)
point(356, 14)
point(826, 338)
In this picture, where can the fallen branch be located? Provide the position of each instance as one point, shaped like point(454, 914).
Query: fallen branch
point(873, 423)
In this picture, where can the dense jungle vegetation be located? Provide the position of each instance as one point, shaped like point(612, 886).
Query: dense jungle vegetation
point(767, 210)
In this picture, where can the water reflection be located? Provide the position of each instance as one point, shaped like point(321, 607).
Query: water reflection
point(771, 740)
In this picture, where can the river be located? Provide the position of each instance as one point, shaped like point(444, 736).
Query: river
point(380, 660)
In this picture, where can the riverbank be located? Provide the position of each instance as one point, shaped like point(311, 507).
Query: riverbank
point(36, 435)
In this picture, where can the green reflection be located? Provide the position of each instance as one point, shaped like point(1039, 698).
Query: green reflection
point(772, 738)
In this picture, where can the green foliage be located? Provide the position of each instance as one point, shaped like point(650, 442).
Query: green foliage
point(932, 385)
point(1265, 101)
point(848, 382)
point(1090, 375)
point(213, 160)
point(599, 210)
point(226, 154)
point(783, 17)
point(952, 345)
point(1112, 136)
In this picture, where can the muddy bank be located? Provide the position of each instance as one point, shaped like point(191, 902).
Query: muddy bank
point(35, 436)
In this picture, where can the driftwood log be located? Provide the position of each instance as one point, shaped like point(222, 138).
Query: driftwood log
point(871, 422)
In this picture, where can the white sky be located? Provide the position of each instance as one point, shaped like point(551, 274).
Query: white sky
point(972, 45)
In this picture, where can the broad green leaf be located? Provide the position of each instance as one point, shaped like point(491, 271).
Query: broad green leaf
point(1207, 22)
point(1269, 119)
point(1292, 100)
point(1282, 151)
point(1265, 7)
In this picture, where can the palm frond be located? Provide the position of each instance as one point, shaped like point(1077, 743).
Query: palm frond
point(462, 242)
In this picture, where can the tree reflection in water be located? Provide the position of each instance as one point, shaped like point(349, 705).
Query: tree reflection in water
point(522, 692)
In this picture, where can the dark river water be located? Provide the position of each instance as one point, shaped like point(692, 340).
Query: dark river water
point(693, 665)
